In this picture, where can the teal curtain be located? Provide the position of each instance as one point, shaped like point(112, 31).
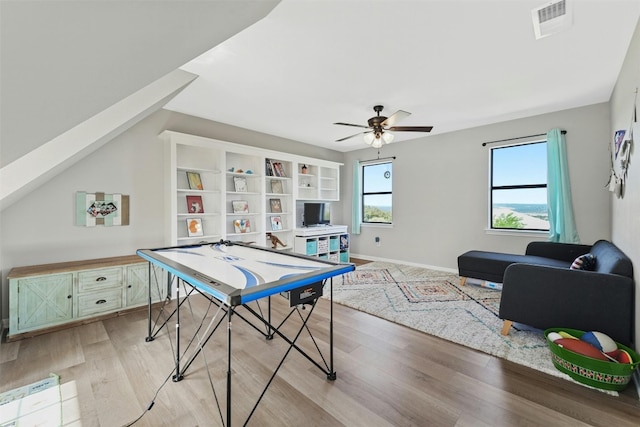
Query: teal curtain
point(355, 211)
point(562, 226)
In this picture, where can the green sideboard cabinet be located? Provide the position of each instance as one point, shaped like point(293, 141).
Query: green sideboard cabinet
point(44, 298)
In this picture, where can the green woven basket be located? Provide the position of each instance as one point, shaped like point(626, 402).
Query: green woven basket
point(587, 370)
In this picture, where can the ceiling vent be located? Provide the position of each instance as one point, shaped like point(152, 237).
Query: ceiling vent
point(551, 18)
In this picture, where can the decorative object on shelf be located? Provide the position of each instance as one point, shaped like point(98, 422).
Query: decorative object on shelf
point(242, 225)
point(276, 205)
point(231, 169)
point(240, 183)
point(101, 209)
point(276, 187)
point(195, 183)
point(240, 206)
point(304, 169)
point(344, 242)
point(276, 223)
point(194, 204)
point(194, 227)
point(274, 168)
point(249, 172)
point(275, 241)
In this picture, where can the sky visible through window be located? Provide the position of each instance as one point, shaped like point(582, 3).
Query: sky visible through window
point(520, 165)
point(377, 178)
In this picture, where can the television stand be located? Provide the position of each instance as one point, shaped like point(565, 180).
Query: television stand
point(329, 242)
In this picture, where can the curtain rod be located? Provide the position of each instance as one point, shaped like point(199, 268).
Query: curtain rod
point(374, 160)
point(564, 132)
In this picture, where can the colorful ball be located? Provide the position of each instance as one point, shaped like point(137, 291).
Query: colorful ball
point(581, 347)
point(600, 341)
point(624, 357)
point(553, 336)
point(564, 334)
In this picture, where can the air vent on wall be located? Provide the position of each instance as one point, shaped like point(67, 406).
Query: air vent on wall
point(551, 18)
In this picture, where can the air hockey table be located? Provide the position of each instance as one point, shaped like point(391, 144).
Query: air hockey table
point(233, 274)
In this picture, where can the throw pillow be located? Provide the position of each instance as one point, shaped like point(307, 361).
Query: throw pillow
point(584, 262)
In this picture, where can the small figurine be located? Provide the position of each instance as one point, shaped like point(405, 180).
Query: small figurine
point(231, 170)
point(304, 169)
point(275, 241)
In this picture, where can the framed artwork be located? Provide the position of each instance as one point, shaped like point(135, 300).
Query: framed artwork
point(240, 206)
point(194, 227)
point(276, 223)
point(617, 140)
point(101, 209)
point(276, 187)
point(276, 205)
point(195, 183)
point(242, 225)
point(240, 183)
point(194, 204)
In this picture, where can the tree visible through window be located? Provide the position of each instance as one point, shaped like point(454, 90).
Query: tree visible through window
point(519, 187)
point(377, 204)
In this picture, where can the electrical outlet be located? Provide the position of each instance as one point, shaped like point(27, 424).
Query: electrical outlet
point(377, 241)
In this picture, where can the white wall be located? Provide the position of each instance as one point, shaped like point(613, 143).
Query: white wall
point(441, 195)
point(626, 211)
point(40, 228)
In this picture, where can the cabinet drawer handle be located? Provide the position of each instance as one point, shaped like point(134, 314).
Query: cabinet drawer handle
point(101, 301)
point(101, 279)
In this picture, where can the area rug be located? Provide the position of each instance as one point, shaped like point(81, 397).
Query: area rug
point(37, 404)
point(434, 302)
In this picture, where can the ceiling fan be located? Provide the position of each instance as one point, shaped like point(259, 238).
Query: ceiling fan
point(379, 127)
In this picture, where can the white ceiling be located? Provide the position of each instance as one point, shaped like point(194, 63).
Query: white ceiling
point(453, 64)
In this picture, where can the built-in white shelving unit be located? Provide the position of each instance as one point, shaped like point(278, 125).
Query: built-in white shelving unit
point(235, 175)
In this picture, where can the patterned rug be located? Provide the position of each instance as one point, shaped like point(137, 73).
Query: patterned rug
point(434, 302)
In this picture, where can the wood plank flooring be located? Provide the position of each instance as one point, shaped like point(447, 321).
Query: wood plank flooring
point(387, 375)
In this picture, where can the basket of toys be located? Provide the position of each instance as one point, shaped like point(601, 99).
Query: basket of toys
point(592, 358)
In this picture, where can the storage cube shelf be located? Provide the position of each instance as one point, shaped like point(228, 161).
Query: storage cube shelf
point(330, 242)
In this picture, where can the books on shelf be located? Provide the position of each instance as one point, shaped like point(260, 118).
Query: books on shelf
point(194, 204)
point(276, 223)
point(194, 227)
point(242, 225)
point(195, 182)
point(240, 206)
point(240, 184)
point(276, 187)
point(276, 205)
point(275, 168)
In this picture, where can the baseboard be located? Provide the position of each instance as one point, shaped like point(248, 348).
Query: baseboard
point(399, 261)
point(636, 381)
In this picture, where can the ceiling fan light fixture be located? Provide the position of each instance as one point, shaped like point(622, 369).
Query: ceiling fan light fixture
point(377, 142)
point(368, 138)
point(388, 137)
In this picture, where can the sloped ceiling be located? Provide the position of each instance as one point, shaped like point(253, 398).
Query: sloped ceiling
point(62, 62)
point(453, 64)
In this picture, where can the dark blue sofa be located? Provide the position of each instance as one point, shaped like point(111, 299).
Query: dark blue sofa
point(540, 290)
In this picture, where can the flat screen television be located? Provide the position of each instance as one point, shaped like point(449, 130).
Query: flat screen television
point(316, 214)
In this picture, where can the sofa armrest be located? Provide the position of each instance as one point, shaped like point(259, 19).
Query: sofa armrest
point(560, 251)
point(545, 297)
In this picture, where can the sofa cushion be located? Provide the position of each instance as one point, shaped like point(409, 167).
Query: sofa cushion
point(611, 260)
point(584, 262)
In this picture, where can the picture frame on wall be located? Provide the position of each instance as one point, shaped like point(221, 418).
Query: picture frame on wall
point(195, 182)
point(240, 206)
point(194, 227)
point(194, 205)
point(276, 205)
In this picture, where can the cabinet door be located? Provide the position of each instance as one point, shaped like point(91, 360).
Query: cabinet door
point(44, 301)
point(138, 284)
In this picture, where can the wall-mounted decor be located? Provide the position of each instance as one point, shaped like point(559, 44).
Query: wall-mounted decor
point(101, 209)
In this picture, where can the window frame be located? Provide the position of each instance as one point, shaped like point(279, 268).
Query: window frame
point(493, 188)
point(363, 165)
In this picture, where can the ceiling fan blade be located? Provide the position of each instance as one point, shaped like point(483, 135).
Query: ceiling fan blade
point(351, 124)
point(395, 117)
point(349, 137)
point(411, 128)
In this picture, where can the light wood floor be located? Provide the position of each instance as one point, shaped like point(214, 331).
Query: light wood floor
point(387, 375)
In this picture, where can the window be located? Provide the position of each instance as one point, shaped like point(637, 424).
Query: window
point(377, 187)
point(519, 187)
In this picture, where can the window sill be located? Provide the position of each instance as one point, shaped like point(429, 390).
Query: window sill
point(373, 225)
point(518, 233)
